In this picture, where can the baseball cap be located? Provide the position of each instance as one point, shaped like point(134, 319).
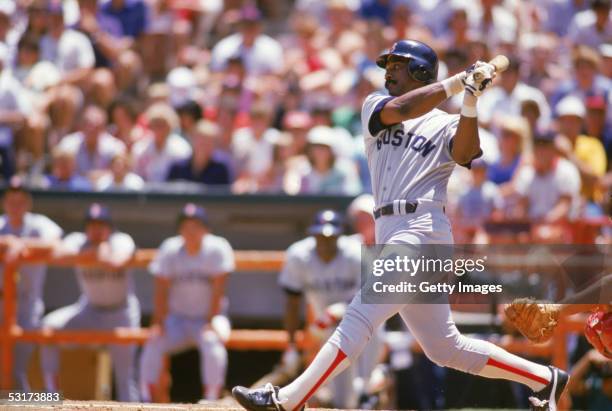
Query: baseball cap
point(192, 211)
point(322, 135)
point(327, 223)
point(98, 212)
point(571, 106)
point(596, 102)
point(297, 119)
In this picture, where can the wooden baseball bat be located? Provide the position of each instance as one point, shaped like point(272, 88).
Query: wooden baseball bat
point(500, 62)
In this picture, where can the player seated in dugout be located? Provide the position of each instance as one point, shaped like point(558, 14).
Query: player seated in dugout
point(190, 271)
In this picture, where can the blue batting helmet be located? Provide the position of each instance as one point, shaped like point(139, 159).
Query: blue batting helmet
point(422, 59)
point(327, 223)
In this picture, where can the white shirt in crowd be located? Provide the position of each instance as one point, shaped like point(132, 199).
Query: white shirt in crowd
point(154, 165)
point(100, 287)
point(251, 155)
point(583, 31)
point(322, 284)
point(544, 191)
point(265, 57)
point(107, 148)
point(190, 292)
point(13, 97)
point(131, 182)
point(496, 102)
point(72, 51)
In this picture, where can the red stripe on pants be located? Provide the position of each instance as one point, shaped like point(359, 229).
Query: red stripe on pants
point(339, 357)
point(518, 371)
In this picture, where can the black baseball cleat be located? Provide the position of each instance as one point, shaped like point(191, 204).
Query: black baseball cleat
point(547, 398)
point(260, 399)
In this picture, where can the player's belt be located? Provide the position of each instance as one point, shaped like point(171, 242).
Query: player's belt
point(397, 207)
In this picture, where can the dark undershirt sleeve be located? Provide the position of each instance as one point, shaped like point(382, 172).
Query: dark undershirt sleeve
point(375, 124)
point(467, 165)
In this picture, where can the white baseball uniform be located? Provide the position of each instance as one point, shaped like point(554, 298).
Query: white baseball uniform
point(322, 285)
point(411, 161)
point(188, 305)
point(107, 301)
point(31, 279)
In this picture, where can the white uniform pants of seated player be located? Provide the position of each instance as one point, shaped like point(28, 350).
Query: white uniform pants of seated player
point(181, 333)
point(344, 390)
point(29, 315)
point(431, 324)
point(84, 316)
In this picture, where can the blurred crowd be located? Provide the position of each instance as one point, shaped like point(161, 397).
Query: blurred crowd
point(265, 96)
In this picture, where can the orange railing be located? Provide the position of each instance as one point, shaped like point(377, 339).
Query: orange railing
point(269, 261)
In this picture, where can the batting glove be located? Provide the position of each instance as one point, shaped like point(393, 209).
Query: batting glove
point(479, 76)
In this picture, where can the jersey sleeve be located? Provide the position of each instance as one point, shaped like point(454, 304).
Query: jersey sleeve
point(291, 277)
point(73, 242)
point(224, 260)
point(160, 266)
point(370, 114)
point(48, 229)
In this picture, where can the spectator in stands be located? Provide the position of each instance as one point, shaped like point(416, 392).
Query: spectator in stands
point(327, 174)
point(514, 143)
point(592, 378)
point(107, 298)
point(592, 27)
point(14, 106)
point(19, 227)
point(480, 203)
point(190, 306)
point(550, 187)
point(120, 177)
point(284, 175)
point(123, 116)
point(72, 54)
point(261, 54)
point(189, 113)
point(252, 148)
point(115, 28)
point(202, 167)
point(596, 124)
point(63, 172)
point(94, 148)
point(585, 152)
point(155, 154)
point(587, 78)
point(606, 59)
point(559, 14)
point(506, 98)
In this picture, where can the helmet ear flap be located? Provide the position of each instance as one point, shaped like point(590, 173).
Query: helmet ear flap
point(419, 72)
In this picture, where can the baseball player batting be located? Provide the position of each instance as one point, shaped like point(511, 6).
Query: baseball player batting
point(412, 148)
point(325, 269)
point(107, 298)
point(190, 270)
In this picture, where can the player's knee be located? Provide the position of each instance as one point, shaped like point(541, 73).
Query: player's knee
point(446, 350)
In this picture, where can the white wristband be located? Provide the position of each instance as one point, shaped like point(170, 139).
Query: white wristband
point(469, 111)
point(453, 85)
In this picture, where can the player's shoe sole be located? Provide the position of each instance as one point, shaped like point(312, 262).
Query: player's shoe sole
point(547, 398)
point(260, 399)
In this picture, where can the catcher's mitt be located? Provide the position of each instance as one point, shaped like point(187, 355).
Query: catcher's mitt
point(535, 320)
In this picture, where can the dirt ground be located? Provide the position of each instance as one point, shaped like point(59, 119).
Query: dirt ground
point(67, 405)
